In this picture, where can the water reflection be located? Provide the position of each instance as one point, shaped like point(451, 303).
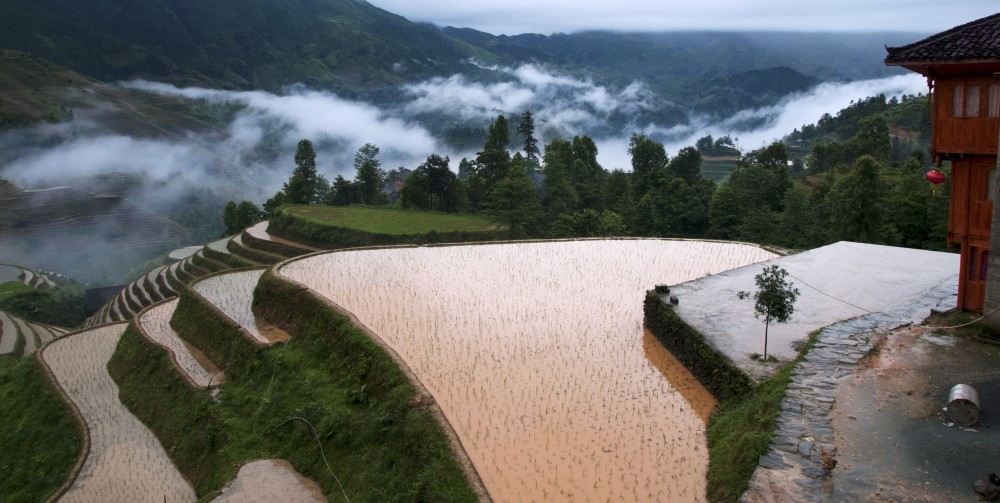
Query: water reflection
point(699, 398)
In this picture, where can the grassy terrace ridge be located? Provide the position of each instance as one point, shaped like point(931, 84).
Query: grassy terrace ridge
point(383, 220)
point(39, 439)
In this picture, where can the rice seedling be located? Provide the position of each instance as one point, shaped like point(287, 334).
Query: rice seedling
point(270, 480)
point(155, 322)
point(232, 293)
point(534, 352)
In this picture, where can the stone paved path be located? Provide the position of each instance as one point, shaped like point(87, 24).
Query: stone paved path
point(792, 469)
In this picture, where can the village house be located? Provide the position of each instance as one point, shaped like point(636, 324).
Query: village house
point(962, 67)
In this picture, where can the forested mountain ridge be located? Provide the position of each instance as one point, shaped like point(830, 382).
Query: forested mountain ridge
point(264, 44)
point(363, 52)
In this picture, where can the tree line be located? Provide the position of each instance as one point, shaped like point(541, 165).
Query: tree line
point(869, 191)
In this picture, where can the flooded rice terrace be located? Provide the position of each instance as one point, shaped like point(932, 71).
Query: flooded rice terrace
point(535, 353)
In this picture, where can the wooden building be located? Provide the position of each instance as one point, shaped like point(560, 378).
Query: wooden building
point(962, 67)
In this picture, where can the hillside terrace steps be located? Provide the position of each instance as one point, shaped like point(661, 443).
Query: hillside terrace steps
point(238, 247)
point(232, 294)
point(259, 232)
point(163, 282)
point(27, 277)
point(146, 297)
point(154, 324)
point(151, 286)
point(199, 259)
point(28, 335)
point(133, 300)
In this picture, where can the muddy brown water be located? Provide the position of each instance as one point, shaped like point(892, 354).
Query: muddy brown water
point(536, 354)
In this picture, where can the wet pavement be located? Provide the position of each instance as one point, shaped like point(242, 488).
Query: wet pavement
point(871, 391)
point(837, 282)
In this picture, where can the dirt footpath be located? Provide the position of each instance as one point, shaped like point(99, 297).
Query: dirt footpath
point(893, 443)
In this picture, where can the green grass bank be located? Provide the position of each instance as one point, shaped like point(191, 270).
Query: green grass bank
point(335, 227)
point(39, 438)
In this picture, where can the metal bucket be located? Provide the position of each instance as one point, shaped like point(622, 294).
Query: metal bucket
point(963, 405)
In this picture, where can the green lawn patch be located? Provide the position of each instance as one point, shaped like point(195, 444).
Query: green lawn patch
point(383, 220)
point(39, 439)
point(336, 227)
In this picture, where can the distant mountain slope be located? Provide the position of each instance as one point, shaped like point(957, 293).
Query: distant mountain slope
point(344, 44)
point(359, 50)
point(34, 90)
point(698, 54)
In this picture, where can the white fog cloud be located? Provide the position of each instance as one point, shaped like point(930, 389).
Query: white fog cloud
point(557, 101)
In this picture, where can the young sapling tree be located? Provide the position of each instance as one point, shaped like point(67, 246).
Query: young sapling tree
point(775, 298)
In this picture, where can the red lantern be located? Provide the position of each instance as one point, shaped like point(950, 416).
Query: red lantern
point(935, 177)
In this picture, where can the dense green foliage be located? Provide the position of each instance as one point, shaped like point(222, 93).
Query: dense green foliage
point(814, 188)
point(12, 288)
point(329, 374)
point(432, 187)
point(40, 439)
point(62, 305)
point(237, 217)
point(266, 44)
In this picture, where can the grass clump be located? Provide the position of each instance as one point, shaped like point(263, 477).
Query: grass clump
point(39, 439)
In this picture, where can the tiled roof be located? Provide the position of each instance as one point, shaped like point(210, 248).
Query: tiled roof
point(978, 40)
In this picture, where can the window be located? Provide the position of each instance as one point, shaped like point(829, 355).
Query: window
point(965, 100)
point(993, 108)
point(979, 260)
point(991, 185)
point(984, 263)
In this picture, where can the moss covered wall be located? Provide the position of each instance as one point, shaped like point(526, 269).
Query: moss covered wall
point(713, 369)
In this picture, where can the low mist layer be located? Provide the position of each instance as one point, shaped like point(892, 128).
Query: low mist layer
point(246, 149)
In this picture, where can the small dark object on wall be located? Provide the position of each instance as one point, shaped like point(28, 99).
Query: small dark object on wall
point(673, 300)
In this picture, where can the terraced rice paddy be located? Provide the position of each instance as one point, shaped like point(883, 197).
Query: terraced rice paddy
point(126, 462)
point(259, 231)
point(232, 293)
point(269, 480)
point(535, 353)
point(155, 322)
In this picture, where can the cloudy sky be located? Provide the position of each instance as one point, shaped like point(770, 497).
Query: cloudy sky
point(511, 17)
